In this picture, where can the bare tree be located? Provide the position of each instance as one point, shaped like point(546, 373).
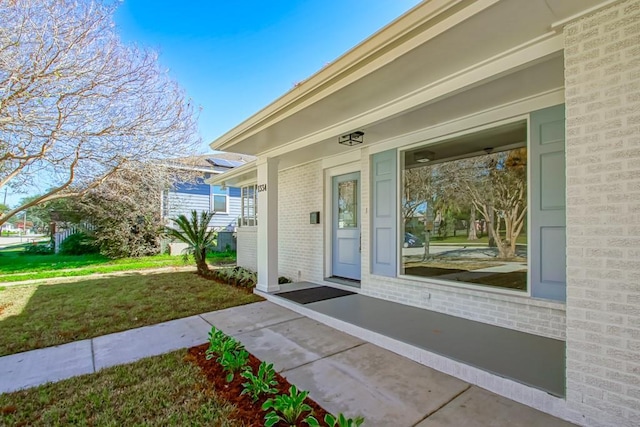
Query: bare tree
point(496, 186)
point(417, 191)
point(124, 214)
point(76, 105)
point(493, 185)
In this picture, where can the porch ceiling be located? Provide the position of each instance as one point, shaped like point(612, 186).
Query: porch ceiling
point(468, 33)
point(543, 77)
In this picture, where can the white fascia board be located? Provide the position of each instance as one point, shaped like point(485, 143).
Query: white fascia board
point(191, 168)
point(505, 63)
point(199, 169)
point(235, 176)
point(558, 26)
point(353, 65)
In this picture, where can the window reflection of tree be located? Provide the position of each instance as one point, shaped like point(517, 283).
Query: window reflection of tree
point(488, 193)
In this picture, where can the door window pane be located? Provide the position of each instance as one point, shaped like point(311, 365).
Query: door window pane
point(348, 204)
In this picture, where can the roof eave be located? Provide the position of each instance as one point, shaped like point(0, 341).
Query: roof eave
point(235, 175)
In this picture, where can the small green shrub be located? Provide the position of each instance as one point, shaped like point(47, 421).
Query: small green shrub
point(217, 340)
point(230, 353)
point(342, 421)
point(79, 244)
point(248, 278)
point(282, 280)
point(289, 408)
point(236, 276)
point(263, 383)
point(234, 360)
point(38, 249)
point(220, 343)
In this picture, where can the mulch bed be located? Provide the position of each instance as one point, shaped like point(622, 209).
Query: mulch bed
point(247, 412)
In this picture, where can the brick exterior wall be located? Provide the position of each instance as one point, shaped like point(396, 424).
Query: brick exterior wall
point(300, 244)
point(602, 84)
point(301, 248)
point(247, 243)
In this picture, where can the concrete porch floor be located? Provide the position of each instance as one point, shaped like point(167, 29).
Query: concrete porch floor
point(523, 367)
point(347, 374)
point(529, 359)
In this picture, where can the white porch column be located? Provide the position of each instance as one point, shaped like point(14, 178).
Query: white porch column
point(267, 253)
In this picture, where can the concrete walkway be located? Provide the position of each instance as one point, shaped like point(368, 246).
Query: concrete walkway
point(342, 373)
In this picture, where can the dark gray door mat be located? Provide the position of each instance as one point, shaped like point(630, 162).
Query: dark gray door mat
point(320, 293)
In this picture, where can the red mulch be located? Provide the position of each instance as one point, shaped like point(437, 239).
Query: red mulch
point(249, 413)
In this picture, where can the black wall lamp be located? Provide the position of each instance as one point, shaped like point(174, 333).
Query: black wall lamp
point(352, 138)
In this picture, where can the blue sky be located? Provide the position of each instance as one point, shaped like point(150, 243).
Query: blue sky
point(235, 57)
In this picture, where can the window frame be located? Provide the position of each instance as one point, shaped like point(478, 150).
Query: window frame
point(220, 193)
point(250, 219)
point(425, 143)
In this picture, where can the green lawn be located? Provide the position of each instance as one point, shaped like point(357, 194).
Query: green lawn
point(163, 390)
point(36, 316)
point(15, 265)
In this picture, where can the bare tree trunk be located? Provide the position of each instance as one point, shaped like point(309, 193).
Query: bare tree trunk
point(504, 248)
point(473, 235)
point(426, 254)
point(491, 228)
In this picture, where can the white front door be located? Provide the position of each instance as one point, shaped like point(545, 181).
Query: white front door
point(346, 226)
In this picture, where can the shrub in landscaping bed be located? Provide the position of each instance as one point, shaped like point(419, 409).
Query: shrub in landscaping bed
point(241, 277)
point(248, 411)
point(266, 398)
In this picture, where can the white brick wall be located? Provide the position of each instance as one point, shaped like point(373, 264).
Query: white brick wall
point(301, 248)
point(301, 245)
point(602, 89)
point(247, 244)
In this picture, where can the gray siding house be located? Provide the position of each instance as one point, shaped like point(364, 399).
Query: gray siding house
point(201, 196)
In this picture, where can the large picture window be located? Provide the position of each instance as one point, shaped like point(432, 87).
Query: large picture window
point(464, 208)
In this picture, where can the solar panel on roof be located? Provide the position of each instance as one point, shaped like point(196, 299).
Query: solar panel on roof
point(220, 162)
point(224, 163)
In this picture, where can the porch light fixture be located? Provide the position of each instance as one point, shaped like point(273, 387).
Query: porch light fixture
point(424, 156)
point(352, 138)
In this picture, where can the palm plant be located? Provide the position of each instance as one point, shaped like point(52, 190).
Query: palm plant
point(196, 234)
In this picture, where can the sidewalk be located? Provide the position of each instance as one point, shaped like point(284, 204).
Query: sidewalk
point(342, 373)
point(6, 241)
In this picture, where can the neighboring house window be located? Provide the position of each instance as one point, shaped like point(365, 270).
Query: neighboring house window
point(464, 208)
point(249, 206)
point(219, 199)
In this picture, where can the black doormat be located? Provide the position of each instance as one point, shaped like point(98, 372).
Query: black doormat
point(320, 293)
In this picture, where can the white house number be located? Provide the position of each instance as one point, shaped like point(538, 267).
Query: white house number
point(262, 187)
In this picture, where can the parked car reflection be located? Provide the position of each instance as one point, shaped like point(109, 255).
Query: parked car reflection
point(412, 241)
